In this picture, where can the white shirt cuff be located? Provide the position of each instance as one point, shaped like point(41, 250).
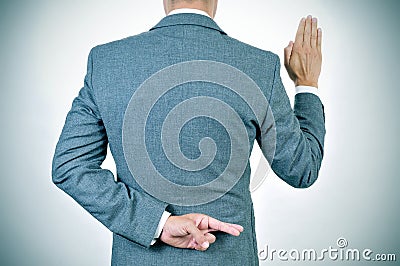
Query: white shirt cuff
point(160, 226)
point(307, 89)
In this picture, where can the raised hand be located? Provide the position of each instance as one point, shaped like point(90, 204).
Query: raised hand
point(192, 231)
point(303, 58)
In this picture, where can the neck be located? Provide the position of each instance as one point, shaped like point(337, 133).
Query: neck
point(194, 5)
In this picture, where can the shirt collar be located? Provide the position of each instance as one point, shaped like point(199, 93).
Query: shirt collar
point(188, 10)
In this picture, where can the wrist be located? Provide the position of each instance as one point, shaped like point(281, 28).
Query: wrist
point(306, 83)
point(163, 221)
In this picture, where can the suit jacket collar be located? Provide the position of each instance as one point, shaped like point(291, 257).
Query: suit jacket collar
point(188, 19)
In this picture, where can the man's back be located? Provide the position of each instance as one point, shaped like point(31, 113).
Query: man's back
point(180, 38)
point(115, 72)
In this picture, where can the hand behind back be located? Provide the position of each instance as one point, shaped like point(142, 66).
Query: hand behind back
point(193, 231)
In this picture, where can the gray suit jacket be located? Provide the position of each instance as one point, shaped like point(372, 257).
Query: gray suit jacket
point(115, 70)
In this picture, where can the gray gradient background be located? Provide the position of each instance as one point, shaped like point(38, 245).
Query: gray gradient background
point(44, 48)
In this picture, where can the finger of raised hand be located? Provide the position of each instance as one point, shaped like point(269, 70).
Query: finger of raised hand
point(319, 39)
point(300, 33)
point(288, 53)
point(314, 32)
point(307, 32)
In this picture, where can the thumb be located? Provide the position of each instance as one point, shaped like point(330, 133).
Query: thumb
point(199, 237)
point(288, 53)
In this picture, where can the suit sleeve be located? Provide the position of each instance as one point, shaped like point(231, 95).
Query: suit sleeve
point(300, 135)
point(76, 170)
